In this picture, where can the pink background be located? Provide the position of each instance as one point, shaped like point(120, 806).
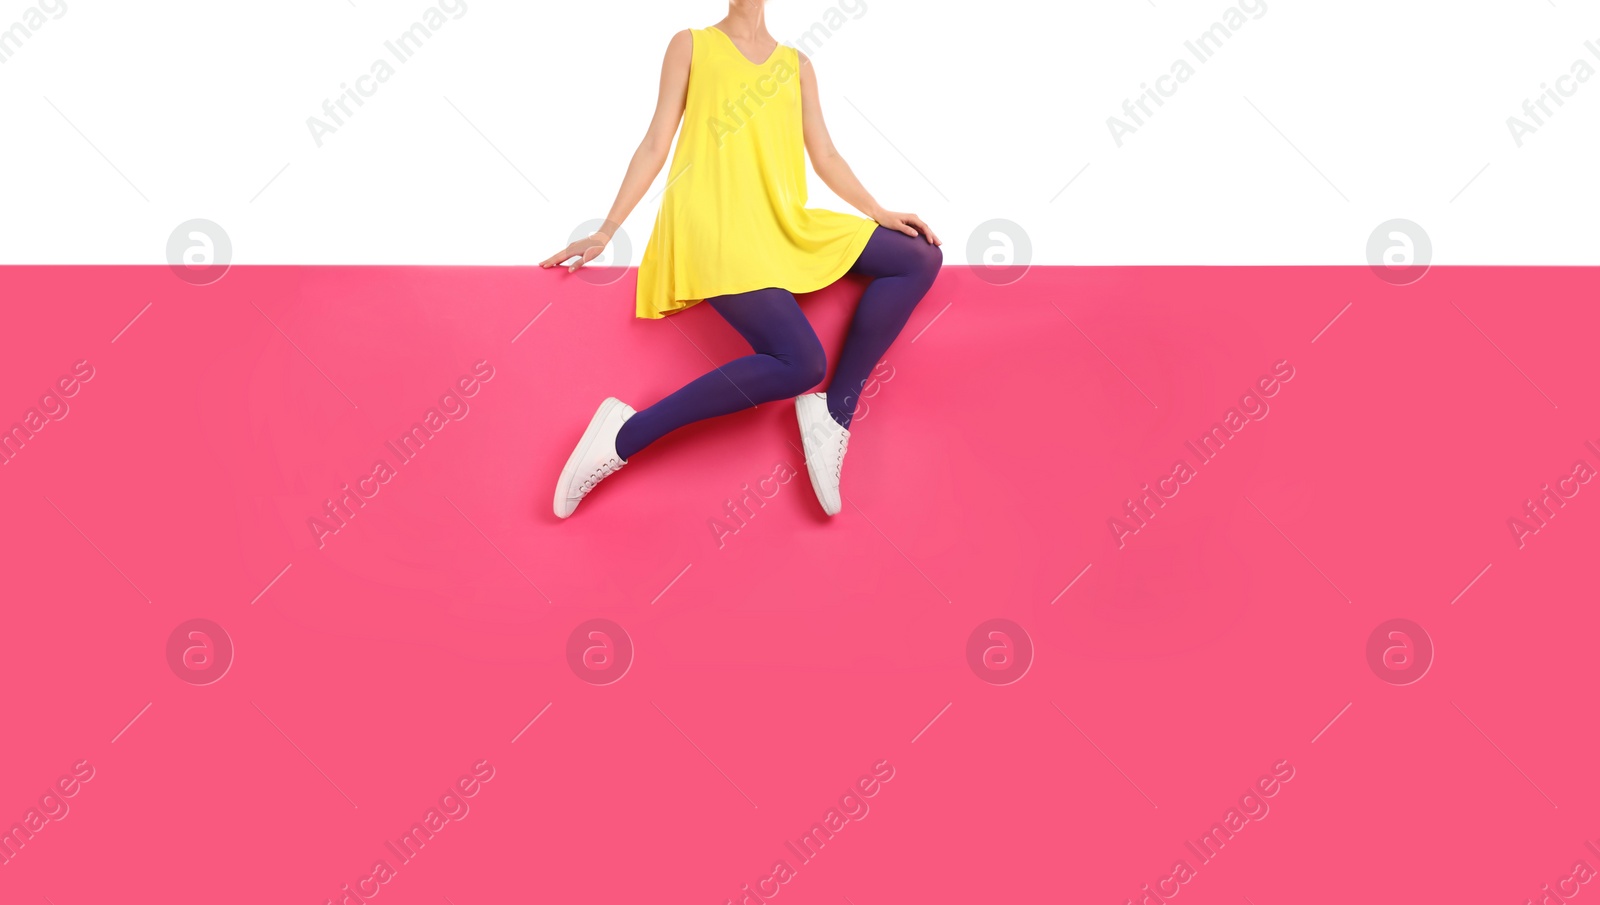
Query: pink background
point(1227, 636)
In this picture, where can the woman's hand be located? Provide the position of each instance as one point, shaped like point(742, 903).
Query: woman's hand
point(585, 250)
point(910, 224)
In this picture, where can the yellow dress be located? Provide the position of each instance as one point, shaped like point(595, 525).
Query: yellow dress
point(733, 217)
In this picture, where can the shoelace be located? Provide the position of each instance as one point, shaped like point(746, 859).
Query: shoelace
point(842, 441)
point(606, 469)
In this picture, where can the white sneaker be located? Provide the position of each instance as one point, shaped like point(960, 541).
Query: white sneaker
point(595, 457)
point(825, 443)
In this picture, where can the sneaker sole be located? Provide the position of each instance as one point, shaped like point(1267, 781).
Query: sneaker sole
point(811, 471)
point(581, 452)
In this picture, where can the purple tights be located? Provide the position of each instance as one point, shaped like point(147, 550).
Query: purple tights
point(788, 359)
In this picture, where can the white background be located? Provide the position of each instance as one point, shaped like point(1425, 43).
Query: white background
point(962, 112)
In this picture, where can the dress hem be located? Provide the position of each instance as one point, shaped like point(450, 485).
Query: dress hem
point(852, 253)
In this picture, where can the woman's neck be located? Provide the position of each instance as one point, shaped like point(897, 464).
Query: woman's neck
point(746, 21)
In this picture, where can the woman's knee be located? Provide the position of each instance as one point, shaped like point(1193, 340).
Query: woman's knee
point(917, 258)
point(804, 364)
point(809, 364)
point(927, 260)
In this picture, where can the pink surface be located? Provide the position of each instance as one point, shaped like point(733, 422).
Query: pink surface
point(755, 678)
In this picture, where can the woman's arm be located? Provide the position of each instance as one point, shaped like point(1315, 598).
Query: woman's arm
point(833, 170)
point(648, 158)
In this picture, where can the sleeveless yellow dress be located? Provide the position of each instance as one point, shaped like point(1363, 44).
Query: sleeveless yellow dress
point(733, 217)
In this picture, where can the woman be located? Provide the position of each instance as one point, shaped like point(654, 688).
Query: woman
point(734, 231)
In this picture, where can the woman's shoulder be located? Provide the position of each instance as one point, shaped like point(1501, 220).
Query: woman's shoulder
point(680, 49)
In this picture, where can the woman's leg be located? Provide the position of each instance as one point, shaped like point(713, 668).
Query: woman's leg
point(902, 269)
point(788, 360)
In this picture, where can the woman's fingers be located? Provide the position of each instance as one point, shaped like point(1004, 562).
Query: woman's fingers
point(900, 223)
point(586, 255)
point(559, 256)
point(913, 226)
point(584, 250)
point(923, 228)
